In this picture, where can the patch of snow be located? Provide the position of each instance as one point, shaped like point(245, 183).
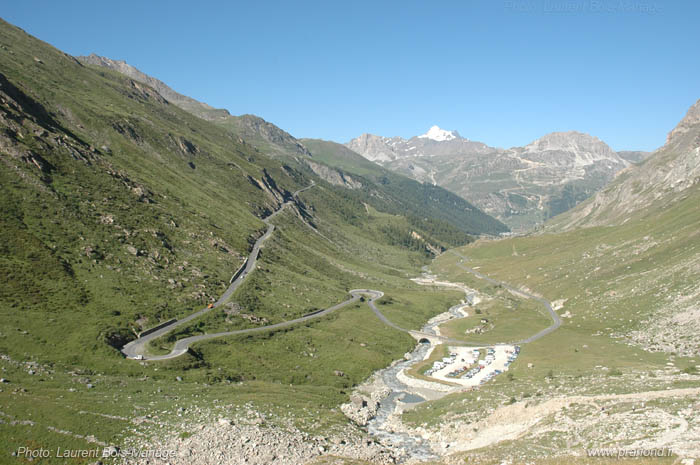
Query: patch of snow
point(437, 134)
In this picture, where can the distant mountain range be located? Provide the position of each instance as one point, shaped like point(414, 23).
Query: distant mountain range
point(521, 186)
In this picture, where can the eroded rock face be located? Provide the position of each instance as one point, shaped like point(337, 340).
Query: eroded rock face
point(662, 178)
point(374, 148)
point(363, 406)
point(689, 121)
point(334, 176)
point(360, 409)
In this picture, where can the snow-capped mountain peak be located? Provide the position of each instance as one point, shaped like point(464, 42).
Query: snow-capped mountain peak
point(437, 134)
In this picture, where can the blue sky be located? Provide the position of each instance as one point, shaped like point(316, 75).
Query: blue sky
point(504, 72)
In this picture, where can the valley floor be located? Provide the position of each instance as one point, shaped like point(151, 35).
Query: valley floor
point(518, 416)
point(574, 390)
point(588, 386)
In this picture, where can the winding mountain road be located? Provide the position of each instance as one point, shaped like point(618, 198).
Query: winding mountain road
point(137, 349)
point(183, 345)
point(556, 320)
point(376, 295)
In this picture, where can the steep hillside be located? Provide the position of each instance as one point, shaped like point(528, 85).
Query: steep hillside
point(521, 186)
point(391, 192)
point(186, 103)
point(265, 136)
point(116, 205)
point(120, 210)
point(449, 216)
point(139, 211)
point(668, 176)
point(654, 209)
point(342, 157)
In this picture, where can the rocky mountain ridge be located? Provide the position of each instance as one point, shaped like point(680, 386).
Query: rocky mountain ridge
point(665, 177)
point(435, 142)
point(264, 135)
point(186, 103)
point(521, 186)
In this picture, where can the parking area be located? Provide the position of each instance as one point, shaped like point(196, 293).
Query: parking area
point(472, 366)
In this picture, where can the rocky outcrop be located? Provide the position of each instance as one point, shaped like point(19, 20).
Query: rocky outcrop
point(268, 185)
point(687, 124)
point(250, 438)
point(363, 407)
point(24, 119)
point(663, 177)
point(374, 148)
point(333, 176)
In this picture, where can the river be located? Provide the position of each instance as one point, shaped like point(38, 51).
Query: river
point(409, 446)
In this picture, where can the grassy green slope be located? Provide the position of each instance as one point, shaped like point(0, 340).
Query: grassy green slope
point(621, 288)
point(96, 176)
point(339, 156)
point(120, 210)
